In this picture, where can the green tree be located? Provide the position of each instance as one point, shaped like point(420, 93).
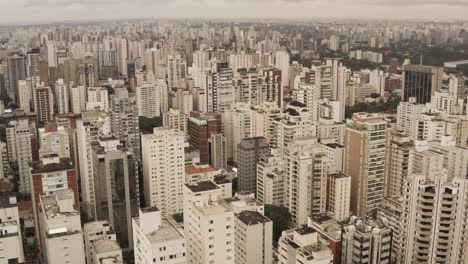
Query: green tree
point(281, 219)
point(147, 124)
point(128, 256)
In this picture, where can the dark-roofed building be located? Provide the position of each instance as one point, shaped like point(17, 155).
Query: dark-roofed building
point(254, 238)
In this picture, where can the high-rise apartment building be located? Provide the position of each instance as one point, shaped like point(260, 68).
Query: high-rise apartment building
point(163, 169)
point(217, 145)
point(249, 152)
point(157, 239)
point(254, 238)
point(25, 95)
point(208, 225)
point(77, 99)
point(149, 98)
point(339, 195)
point(303, 245)
point(282, 63)
point(11, 243)
point(432, 224)
point(237, 121)
point(306, 179)
point(271, 86)
point(94, 232)
point(398, 148)
point(60, 225)
point(365, 241)
point(270, 179)
point(90, 128)
point(19, 144)
point(62, 99)
point(124, 120)
point(221, 92)
point(54, 139)
point(365, 161)
point(176, 120)
point(97, 99)
point(49, 176)
point(43, 99)
point(176, 69)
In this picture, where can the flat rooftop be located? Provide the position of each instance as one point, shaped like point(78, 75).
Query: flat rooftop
point(8, 201)
point(166, 232)
point(202, 186)
point(51, 167)
point(252, 218)
point(105, 245)
point(338, 175)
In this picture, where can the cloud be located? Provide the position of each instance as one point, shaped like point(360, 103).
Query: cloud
point(29, 11)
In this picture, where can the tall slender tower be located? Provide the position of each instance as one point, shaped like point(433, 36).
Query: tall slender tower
point(365, 161)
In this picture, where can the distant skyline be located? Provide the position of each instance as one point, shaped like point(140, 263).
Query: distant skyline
point(43, 11)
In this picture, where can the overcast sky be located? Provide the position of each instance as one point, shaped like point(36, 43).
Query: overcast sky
point(27, 11)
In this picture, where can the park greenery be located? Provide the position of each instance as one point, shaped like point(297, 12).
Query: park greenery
point(147, 124)
point(281, 219)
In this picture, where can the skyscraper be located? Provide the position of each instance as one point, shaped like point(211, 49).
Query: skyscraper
point(365, 241)
point(433, 222)
point(249, 152)
point(18, 135)
point(43, 99)
point(421, 82)
point(163, 169)
point(365, 161)
point(116, 186)
point(306, 179)
point(16, 72)
point(62, 98)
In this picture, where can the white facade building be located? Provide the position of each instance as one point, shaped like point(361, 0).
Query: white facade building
point(157, 239)
point(11, 243)
point(98, 99)
point(77, 98)
point(62, 97)
point(163, 169)
point(254, 238)
point(60, 225)
point(149, 99)
point(303, 246)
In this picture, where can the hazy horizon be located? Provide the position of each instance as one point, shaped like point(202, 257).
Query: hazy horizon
point(49, 11)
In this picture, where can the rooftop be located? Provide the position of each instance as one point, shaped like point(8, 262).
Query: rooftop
point(39, 167)
point(8, 201)
point(198, 169)
point(166, 232)
point(334, 145)
point(51, 205)
point(149, 209)
point(338, 175)
point(105, 245)
point(202, 186)
point(221, 179)
point(252, 218)
point(304, 231)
